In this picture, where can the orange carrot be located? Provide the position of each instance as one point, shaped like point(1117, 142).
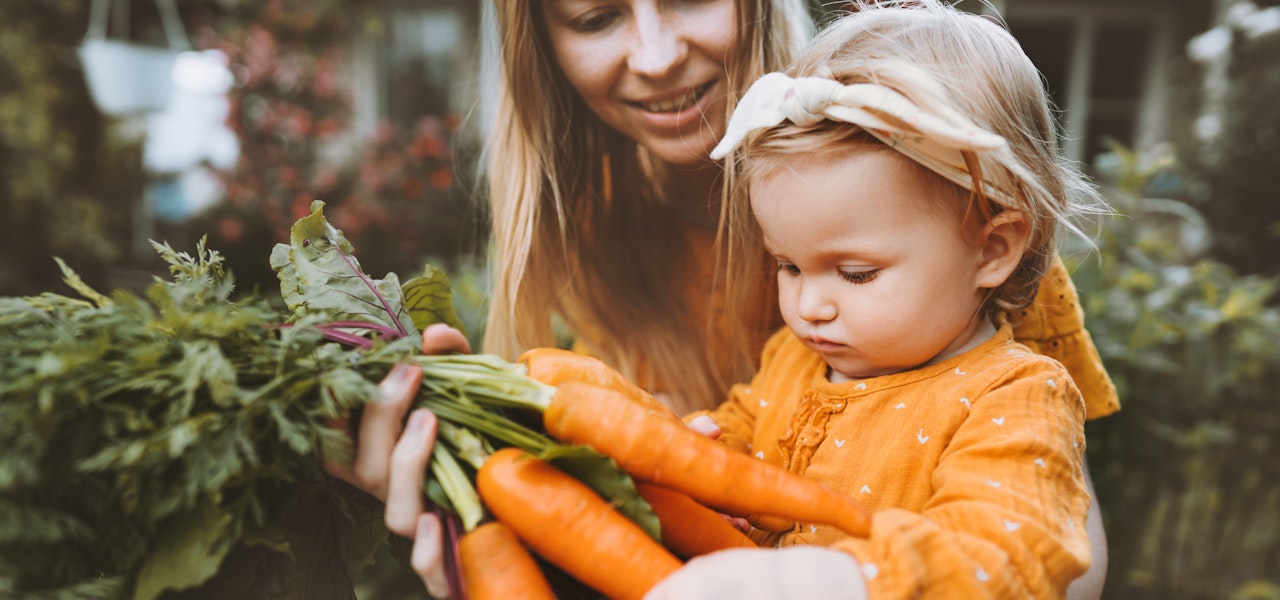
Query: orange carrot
point(496, 566)
point(554, 366)
point(650, 446)
point(565, 522)
point(690, 529)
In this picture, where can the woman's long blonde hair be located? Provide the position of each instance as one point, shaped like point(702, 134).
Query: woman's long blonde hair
point(952, 61)
point(582, 229)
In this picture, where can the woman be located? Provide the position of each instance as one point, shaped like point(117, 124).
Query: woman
point(603, 208)
point(602, 191)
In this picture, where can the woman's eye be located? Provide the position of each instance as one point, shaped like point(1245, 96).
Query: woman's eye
point(594, 21)
point(788, 268)
point(858, 276)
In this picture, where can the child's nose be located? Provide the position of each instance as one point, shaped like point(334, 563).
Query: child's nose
point(815, 305)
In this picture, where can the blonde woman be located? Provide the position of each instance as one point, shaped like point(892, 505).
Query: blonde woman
point(603, 198)
point(605, 204)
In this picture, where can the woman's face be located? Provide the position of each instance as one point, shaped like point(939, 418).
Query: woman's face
point(652, 69)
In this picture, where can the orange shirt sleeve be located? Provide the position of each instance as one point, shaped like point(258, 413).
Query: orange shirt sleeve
point(1053, 325)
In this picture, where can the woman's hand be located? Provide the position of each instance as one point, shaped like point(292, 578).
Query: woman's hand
point(799, 572)
point(391, 460)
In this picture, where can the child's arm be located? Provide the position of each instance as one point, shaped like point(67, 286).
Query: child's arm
point(736, 416)
point(734, 421)
point(1007, 515)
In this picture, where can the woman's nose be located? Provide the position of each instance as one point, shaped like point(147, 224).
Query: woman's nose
point(659, 47)
point(814, 305)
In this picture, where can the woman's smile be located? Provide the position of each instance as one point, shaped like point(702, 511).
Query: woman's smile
point(675, 110)
point(672, 102)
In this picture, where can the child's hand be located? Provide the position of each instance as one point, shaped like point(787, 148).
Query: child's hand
point(705, 425)
point(799, 572)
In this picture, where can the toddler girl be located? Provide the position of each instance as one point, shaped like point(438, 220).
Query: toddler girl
point(904, 177)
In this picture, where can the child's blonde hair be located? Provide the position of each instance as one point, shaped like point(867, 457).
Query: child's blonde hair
point(581, 225)
point(945, 60)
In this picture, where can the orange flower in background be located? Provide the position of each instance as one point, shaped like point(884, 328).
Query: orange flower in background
point(302, 205)
point(230, 229)
point(428, 147)
point(453, 121)
point(411, 187)
point(442, 178)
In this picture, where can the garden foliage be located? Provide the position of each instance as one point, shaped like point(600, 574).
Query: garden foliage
point(1185, 471)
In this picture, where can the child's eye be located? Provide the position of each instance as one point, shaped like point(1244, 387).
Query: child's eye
point(858, 276)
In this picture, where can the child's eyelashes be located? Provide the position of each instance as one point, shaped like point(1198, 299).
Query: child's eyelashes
point(858, 276)
point(851, 276)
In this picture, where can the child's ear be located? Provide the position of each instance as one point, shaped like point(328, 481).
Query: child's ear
point(1004, 240)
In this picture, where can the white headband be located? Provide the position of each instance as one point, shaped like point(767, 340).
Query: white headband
point(930, 139)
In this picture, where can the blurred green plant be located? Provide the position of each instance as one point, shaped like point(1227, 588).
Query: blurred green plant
point(1186, 474)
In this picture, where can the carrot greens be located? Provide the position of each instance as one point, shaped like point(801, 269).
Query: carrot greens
point(169, 443)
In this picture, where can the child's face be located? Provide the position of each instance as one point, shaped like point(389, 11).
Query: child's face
point(872, 273)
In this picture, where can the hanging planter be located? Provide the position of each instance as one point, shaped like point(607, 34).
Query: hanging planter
point(125, 78)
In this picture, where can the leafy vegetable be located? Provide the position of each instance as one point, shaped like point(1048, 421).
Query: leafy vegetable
point(169, 444)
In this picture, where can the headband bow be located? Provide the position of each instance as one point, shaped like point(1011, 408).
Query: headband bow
point(927, 138)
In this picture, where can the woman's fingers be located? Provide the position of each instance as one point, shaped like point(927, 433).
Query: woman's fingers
point(380, 427)
point(439, 338)
point(407, 470)
point(427, 558)
point(380, 424)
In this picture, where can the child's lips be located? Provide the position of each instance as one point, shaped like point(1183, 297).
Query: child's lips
point(822, 344)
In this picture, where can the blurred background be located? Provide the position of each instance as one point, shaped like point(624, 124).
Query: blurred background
point(124, 121)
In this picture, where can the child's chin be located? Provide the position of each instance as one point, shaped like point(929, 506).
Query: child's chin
point(846, 373)
point(841, 376)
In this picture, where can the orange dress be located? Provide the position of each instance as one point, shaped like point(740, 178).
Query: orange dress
point(972, 467)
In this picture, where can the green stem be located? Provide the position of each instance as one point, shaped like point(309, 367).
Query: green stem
point(486, 379)
point(457, 486)
point(493, 426)
point(469, 447)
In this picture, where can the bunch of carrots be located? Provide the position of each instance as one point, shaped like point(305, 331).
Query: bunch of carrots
point(522, 496)
point(687, 479)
